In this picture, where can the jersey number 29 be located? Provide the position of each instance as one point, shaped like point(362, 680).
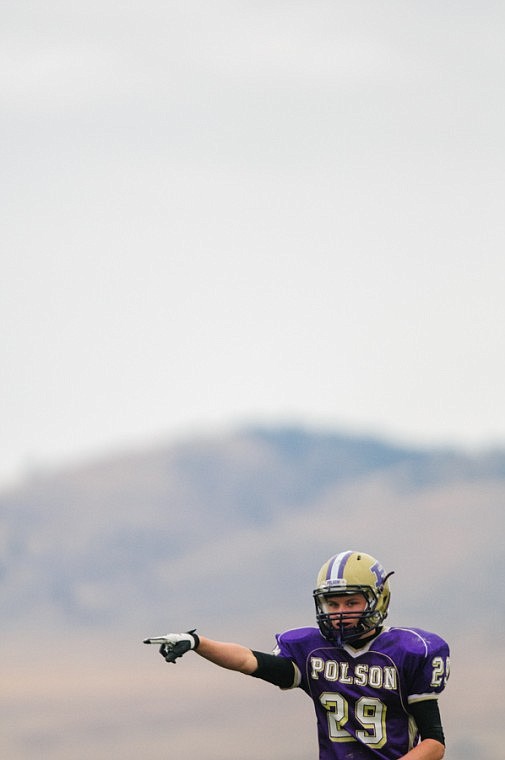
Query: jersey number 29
point(369, 711)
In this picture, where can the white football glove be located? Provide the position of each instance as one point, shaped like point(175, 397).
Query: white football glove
point(174, 645)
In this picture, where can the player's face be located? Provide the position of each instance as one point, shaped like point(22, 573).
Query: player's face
point(345, 609)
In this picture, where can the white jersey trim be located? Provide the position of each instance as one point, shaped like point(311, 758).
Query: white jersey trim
point(421, 697)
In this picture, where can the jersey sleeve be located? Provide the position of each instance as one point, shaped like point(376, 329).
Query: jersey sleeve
point(428, 666)
point(295, 645)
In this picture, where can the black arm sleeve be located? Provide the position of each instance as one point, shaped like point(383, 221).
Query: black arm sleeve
point(277, 670)
point(427, 716)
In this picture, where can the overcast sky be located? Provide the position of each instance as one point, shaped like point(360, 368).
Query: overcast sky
point(217, 212)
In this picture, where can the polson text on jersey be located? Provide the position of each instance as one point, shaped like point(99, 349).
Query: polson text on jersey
point(377, 676)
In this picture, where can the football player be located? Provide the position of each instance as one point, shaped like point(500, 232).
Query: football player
point(375, 688)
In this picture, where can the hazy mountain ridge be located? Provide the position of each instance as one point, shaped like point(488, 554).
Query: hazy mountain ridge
point(114, 523)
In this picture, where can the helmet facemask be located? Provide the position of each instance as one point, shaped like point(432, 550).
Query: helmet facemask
point(335, 626)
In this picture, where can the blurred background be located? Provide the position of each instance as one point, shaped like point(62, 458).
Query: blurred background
point(252, 314)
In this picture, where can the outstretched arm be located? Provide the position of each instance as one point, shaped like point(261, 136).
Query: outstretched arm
point(228, 655)
point(280, 671)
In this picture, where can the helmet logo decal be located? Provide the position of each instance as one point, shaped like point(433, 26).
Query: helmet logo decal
point(379, 573)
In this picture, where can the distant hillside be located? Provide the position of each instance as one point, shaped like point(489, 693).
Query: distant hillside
point(227, 533)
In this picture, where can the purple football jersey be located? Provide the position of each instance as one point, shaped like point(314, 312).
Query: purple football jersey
point(362, 696)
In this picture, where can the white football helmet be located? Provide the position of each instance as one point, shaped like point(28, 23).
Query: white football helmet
point(346, 573)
